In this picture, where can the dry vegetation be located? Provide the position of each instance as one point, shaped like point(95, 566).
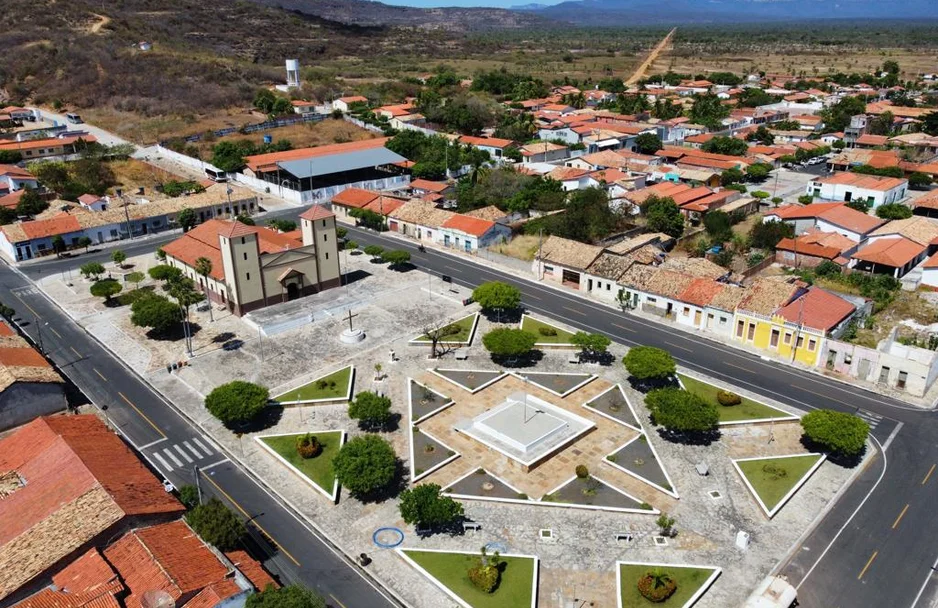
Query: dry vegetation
point(301, 135)
point(523, 247)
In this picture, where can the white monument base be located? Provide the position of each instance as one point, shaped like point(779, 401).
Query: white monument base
point(352, 336)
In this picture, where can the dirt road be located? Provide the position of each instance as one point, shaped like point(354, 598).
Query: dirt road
point(640, 72)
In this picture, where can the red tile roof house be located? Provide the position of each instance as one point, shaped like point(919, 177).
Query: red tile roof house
point(166, 561)
point(13, 178)
point(68, 483)
point(826, 217)
point(29, 385)
point(898, 246)
point(254, 267)
point(470, 234)
point(495, 146)
point(848, 186)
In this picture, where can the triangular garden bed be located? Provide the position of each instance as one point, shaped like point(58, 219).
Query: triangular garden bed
point(560, 384)
point(592, 492)
point(467, 329)
point(774, 480)
point(482, 485)
point(317, 470)
point(449, 571)
point(471, 380)
point(747, 411)
point(427, 454)
point(332, 387)
point(424, 401)
point(639, 459)
point(613, 404)
point(692, 582)
point(547, 334)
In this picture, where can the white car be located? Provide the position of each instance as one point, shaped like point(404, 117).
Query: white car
point(168, 486)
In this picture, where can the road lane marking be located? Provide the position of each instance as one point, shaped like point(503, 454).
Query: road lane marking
point(895, 524)
point(251, 519)
point(100, 375)
point(823, 396)
point(629, 329)
point(867, 566)
point(151, 444)
point(35, 314)
point(192, 449)
point(745, 369)
point(214, 464)
point(75, 351)
point(196, 441)
point(142, 415)
point(172, 457)
point(56, 333)
point(336, 600)
point(927, 475)
point(574, 311)
point(183, 454)
point(673, 345)
point(529, 295)
point(165, 464)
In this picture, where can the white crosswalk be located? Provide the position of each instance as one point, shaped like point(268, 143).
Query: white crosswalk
point(182, 454)
point(871, 419)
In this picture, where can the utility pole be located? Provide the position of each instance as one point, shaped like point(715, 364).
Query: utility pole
point(540, 265)
point(39, 329)
point(198, 482)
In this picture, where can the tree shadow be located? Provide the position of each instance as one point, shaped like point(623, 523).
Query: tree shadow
point(268, 417)
point(604, 359)
point(174, 333)
point(224, 336)
point(529, 360)
point(402, 268)
point(389, 426)
point(452, 529)
point(507, 316)
point(703, 438)
point(649, 384)
point(847, 461)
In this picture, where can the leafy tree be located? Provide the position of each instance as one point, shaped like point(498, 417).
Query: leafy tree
point(760, 194)
point(91, 270)
point(374, 251)
point(665, 216)
point(649, 363)
point(217, 525)
point(7, 312)
point(160, 254)
point(186, 218)
point(365, 465)
point(839, 144)
point(229, 155)
point(882, 124)
point(189, 496)
point(282, 225)
point(281, 106)
point(237, 402)
point(731, 176)
point(371, 410)
point(858, 205)
point(396, 258)
point(291, 596)
point(766, 235)
point(837, 432)
point(136, 278)
point(682, 411)
point(509, 342)
point(726, 145)
point(761, 135)
point(828, 268)
point(893, 211)
point(10, 157)
point(155, 312)
point(919, 180)
point(164, 272)
point(105, 289)
point(591, 345)
point(806, 199)
point(648, 143)
point(758, 172)
point(423, 505)
point(31, 203)
point(837, 117)
point(718, 226)
point(930, 123)
point(175, 187)
point(118, 257)
point(245, 219)
point(58, 244)
point(85, 242)
point(264, 100)
point(495, 295)
point(708, 110)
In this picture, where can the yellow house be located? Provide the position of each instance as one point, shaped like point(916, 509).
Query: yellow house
point(788, 320)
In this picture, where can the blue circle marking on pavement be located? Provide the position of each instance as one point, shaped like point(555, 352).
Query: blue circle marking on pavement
point(388, 538)
point(496, 546)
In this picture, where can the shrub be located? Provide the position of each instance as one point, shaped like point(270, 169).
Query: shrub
point(656, 586)
point(106, 288)
point(189, 496)
point(370, 409)
point(582, 472)
point(374, 251)
point(497, 295)
point(308, 446)
point(424, 505)
point(292, 596)
point(805, 199)
point(509, 342)
point(486, 574)
point(237, 401)
point(546, 331)
point(837, 432)
point(216, 524)
point(365, 465)
point(682, 411)
point(648, 362)
point(91, 270)
point(728, 398)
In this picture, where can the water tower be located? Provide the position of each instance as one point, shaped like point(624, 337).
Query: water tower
point(293, 73)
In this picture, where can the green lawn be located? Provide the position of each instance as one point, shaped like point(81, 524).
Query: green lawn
point(316, 390)
point(318, 469)
point(465, 330)
point(688, 582)
point(533, 326)
point(769, 484)
point(450, 569)
point(747, 410)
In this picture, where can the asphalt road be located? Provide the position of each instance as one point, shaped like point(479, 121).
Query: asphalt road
point(174, 447)
point(875, 546)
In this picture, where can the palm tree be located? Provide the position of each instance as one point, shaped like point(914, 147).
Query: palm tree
point(659, 578)
point(203, 266)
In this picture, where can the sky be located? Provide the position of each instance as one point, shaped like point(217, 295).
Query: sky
point(494, 3)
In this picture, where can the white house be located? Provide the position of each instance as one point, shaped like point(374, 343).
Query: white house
point(849, 186)
point(470, 234)
point(13, 178)
point(343, 103)
point(93, 202)
point(930, 272)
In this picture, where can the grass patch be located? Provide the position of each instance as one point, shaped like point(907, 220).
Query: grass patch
point(534, 326)
point(772, 478)
point(688, 580)
point(451, 570)
point(129, 297)
point(465, 331)
point(746, 410)
point(522, 247)
point(318, 469)
point(333, 386)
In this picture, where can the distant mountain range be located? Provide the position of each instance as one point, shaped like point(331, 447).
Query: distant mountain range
point(653, 12)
